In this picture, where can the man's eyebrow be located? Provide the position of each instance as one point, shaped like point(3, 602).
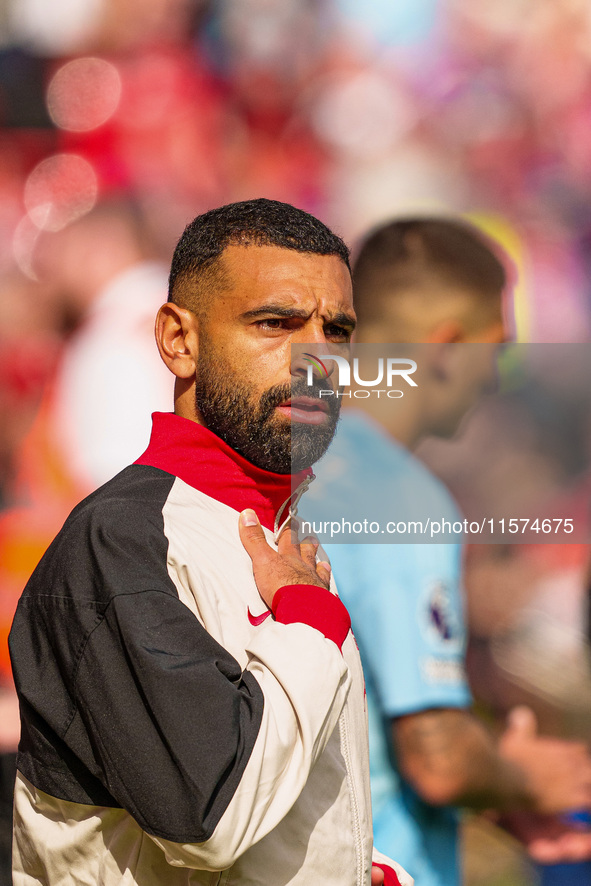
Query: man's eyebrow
point(277, 310)
point(288, 312)
point(343, 320)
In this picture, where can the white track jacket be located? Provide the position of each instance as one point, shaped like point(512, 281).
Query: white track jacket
point(174, 730)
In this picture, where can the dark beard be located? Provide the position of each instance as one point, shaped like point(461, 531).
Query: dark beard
point(253, 429)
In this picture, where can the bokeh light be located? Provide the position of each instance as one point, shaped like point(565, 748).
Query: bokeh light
point(363, 114)
point(83, 94)
point(60, 189)
point(24, 241)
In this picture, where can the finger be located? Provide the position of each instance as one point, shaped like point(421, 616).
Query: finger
point(308, 549)
point(544, 851)
point(294, 526)
point(577, 846)
point(377, 876)
point(522, 721)
point(287, 543)
point(568, 847)
point(253, 537)
point(323, 571)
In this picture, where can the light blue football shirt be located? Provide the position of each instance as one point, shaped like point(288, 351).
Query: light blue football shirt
point(406, 608)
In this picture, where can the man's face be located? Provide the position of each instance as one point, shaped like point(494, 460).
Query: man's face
point(244, 389)
point(471, 373)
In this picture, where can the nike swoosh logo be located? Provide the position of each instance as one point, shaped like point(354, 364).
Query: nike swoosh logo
point(258, 619)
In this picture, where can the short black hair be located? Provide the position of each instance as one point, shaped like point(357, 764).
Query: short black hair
point(406, 253)
point(259, 222)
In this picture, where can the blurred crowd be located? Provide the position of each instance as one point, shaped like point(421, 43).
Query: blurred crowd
point(121, 120)
point(355, 112)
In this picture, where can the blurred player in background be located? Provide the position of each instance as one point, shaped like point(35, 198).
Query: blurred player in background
point(434, 281)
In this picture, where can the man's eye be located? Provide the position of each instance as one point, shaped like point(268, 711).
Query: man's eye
point(334, 331)
point(271, 323)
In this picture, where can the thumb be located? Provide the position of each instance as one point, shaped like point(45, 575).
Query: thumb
point(252, 535)
point(522, 721)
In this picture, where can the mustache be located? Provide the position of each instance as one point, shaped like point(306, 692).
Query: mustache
point(278, 394)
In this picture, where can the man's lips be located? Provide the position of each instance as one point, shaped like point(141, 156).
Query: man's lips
point(308, 410)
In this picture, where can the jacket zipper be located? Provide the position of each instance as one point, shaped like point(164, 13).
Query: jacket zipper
point(292, 501)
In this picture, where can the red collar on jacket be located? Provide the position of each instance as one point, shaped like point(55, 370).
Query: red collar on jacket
point(200, 458)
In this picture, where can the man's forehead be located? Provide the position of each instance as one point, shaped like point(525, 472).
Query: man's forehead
point(251, 272)
point(254, 259)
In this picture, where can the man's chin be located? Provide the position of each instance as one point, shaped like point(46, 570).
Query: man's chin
point(309, 443)
point(290, 457)
point(279, 444)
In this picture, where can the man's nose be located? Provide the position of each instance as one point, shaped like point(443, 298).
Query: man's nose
point(311, 363)
point(311, 332)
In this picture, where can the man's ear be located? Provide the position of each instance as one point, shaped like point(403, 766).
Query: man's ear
point(447, 332)
point(177, 337)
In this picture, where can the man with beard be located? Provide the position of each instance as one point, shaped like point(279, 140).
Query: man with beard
point(168, 648)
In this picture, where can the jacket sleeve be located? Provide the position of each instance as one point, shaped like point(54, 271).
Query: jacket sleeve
point(206, 757)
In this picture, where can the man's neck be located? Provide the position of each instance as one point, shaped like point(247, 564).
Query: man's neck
point(401, 418)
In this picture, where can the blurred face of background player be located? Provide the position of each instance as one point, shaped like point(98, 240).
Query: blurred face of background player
point(233, 361)
point(461, 362)
point(407, 292)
